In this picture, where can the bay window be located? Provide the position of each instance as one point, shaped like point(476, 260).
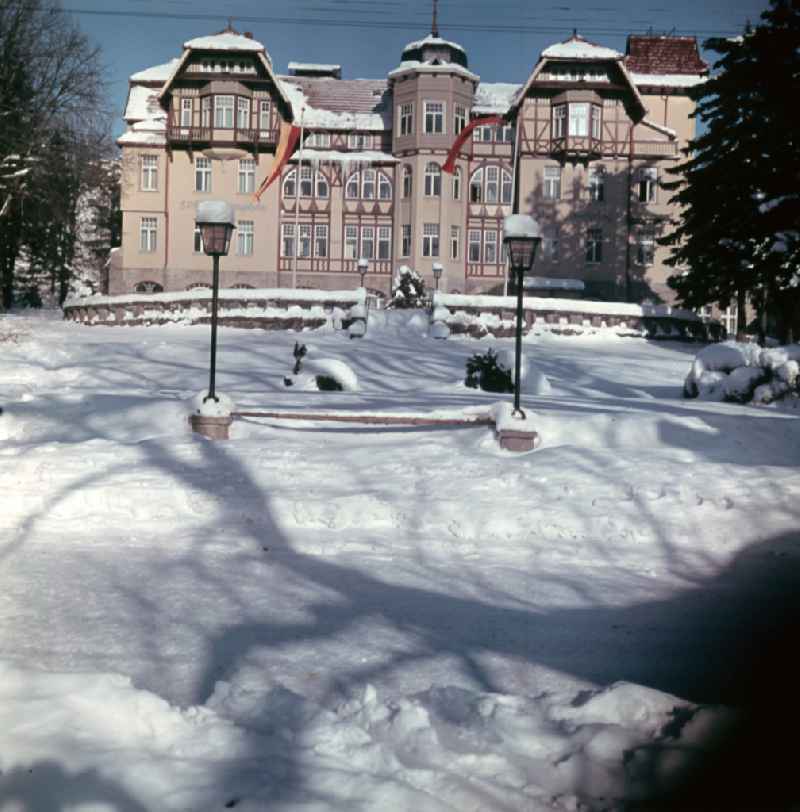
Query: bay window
point(223, 112)
point(242, 113)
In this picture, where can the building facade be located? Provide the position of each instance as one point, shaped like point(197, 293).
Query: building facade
point(584, 146)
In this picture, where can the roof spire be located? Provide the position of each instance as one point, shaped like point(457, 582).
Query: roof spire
point(434, 24)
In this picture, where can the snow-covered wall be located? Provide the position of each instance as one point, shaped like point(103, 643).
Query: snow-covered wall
point(265, 308)
point(479, 316)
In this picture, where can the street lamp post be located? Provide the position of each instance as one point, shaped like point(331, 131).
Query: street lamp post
point(437, 274)
point(215, 220)
point(363, 267)
point(521, 236)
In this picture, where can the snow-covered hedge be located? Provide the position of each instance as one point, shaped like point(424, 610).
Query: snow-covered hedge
point(744, 373)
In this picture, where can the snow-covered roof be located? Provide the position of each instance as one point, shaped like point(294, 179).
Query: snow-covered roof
point(365, 156)
point(142, 103)
point(314, 66)
point(158, 73)
point(321, 118)
point(414, 66)
point(667, 79)
point(431, 40)
point(226, 41)
point(576, 47)
point(494, 98)
point(144, 139)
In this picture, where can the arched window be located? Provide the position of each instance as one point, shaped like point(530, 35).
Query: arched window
point(490, 184)
point(148, 287)
point(290, 184)
point(368, 184)
point(406, 180)
point(433, 180)
point(476, 187)
point(311, 183)
point(457, 184)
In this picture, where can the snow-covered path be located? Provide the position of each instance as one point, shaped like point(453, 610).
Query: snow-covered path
point(339, 600)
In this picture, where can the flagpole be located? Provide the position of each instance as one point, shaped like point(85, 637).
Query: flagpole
point(297, 203)
point(514, 161)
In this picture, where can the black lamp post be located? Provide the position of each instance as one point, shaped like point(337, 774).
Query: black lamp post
point(437, 274)
point(363, 267)
point(215, 220)
point(521, 237)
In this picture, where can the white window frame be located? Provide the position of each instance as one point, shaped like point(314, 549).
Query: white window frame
point(306, 181)
point(242, 113)
point(350, 241)
point(384, 242)
point(206, 111)
point(435, 112)
point(224, 111)
point(476, 186)
point(579, 119)
point(369, 178)
point(408, 181)
point(405, 240)
point(367, 242)
point(551, 183)
point(247, 176)
point(148, 235)
point(245, 232)
point(304, 235)
point(647, 191)
point(202, 174)
point(474, 246)
point(322, 186)
point(287, 240)
point(264, 115)
point(646, 250)
point(490, 247)
point(433, 179)
point(289, 185)
point(456, 188)
point(405, 114)
point(358, 141)
point(455, 241)
point(492, 191)
point(430, 240)
point(352, 189)
point(186, 112)
point(559, 125)
point(149, 173)
point(597, 184)
point(321, 240)
point(596, 124)
point(459, 118)
point(384, 187)
point(594, 246)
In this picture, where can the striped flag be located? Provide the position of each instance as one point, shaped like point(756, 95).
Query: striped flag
point(450, 163)
point(287, 142)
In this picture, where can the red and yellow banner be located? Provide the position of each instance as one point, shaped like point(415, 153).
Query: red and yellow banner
point(287, 142)
point(452, 156)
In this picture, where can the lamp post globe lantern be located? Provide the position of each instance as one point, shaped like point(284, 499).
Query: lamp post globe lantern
point(363, 267)
point(215, 220)
point(438, 268)
point(521, 237)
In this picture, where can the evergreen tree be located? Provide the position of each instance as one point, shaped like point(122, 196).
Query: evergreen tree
point(738, 236)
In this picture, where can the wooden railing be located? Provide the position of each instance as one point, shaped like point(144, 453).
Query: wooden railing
point(200, 135)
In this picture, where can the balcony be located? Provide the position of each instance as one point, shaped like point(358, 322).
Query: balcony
point(582, 146)
point(209, 135)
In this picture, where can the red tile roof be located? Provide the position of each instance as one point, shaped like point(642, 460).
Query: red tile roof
point(342, 95)
point(663, 54)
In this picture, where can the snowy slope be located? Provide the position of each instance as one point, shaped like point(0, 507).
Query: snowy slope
point(332, 616)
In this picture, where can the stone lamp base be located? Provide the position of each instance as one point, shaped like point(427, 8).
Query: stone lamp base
point(513, 440)
point(215, 428)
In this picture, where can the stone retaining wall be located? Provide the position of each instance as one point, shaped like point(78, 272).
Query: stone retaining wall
point(480, 316)
point(279, 310)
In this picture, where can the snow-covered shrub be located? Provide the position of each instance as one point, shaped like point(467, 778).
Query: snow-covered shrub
point(439, 330)
point(484, 372)
point(408, 289)
point(357, 329)
point(743, 373)
point(531, 380)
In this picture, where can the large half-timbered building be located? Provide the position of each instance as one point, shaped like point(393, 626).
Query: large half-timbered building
point(584, 146)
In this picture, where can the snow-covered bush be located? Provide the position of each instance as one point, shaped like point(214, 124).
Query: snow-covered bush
point(484, 372)
point(408, 289)
point(744, 373)
point(531, 380)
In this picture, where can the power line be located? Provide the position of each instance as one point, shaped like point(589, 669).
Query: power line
point(492, 28)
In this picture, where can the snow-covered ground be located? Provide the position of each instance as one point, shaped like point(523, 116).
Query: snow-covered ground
point(323, 616)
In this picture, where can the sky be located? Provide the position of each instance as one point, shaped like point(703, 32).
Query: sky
point(503, 38)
